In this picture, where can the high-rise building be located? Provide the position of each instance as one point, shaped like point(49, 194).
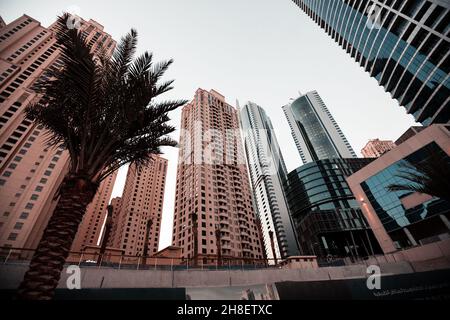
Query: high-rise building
point(402, 219)
point(327, 217)
point(2, 23)
point(411, 132)
point(404, 45)
point(90, 230)
point(316, 133)
point(267, 173)
point(137, 215)
point(376, 148)
point(30, 172)
point(214, 215)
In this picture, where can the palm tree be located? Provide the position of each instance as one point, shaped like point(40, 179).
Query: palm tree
point(101, 109)
point(430, 176)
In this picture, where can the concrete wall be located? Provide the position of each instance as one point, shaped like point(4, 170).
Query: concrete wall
point(433, 256)
point(92, 277)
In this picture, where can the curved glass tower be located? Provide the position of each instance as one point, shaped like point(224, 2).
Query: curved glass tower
point(405, 45)
point(316, 133)
point(268, 173)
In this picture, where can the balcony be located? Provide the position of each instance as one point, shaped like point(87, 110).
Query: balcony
point(242, 219)
point(244, 233)
point(225, 237)
point(223, 214)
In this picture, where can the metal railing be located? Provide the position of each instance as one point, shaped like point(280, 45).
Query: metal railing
point(22, 256)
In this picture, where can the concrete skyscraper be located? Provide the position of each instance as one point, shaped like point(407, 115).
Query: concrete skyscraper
point(30, 172)
point(2, 22)
point(90, 230)
point(315, 132)
point(376, 148)
point(404, 45)
point(267, 174)
point(214, 217)
point(137, 215)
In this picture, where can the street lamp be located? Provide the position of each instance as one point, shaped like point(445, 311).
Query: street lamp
point(146, 240)
point(194, 218)
point(108, 225)
point(219, 246)
point(272, 243)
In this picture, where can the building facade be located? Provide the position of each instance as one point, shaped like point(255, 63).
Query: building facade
point(327, 217)
point(137, 214)
point(404, 45)
point(401, 219)
point(91, 229)
point(411, 132)
point(30, 172)
point(267, 173)
point(375, 148)
point(315, 132)
point(214, 217)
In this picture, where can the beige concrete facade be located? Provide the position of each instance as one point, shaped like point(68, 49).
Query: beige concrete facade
point(91, 229)
point(30, 172)
point(213, 199)
point(438, 134)
point(376, 148)
point(138, 213)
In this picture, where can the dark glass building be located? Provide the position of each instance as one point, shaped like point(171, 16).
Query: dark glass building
point(408, 225)
point(403, 44)
point(402, 219)
point(327, 218)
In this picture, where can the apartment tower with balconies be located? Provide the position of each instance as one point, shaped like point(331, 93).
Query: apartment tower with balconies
point(214, 218)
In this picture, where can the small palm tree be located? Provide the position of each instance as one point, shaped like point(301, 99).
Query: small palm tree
point(430, 176)
point(101, 109)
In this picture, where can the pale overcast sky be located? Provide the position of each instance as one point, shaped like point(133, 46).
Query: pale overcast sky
point(266, 51)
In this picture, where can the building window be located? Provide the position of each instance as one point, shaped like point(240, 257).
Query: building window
point(24, 215)
point(18, 226)
point(12, 236)
point(7, 173)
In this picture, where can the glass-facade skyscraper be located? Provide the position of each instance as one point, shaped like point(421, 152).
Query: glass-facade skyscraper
point(315, 132)
point(403, 44)
point(402, 219)
point(327, 218)
point(267, 173)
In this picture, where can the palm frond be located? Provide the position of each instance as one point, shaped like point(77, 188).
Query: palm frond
point(101, 108)
point(430, 176)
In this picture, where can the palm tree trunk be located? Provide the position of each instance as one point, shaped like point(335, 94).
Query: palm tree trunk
point(44, 272)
